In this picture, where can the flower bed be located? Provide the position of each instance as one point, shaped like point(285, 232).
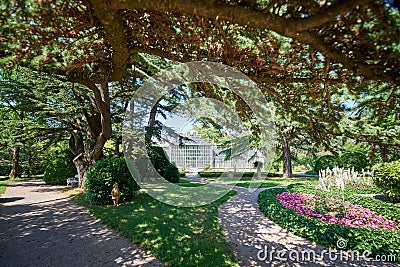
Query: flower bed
point(335, 211)
point(378, 241)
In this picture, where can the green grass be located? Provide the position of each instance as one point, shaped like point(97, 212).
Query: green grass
point(186, 183)
point(4, 182)
point(177, 236)
point(264, 182)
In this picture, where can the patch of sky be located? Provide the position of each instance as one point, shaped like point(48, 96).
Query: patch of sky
point(181, 124)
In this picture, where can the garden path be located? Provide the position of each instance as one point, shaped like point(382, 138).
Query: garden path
point(249, 231)
point(39, 226)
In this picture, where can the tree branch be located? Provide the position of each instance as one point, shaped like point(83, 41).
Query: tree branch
point(329, 14)
point(113, 25)
point(297, 29)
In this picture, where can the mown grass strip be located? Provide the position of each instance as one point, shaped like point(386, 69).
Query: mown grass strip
point(177, 236)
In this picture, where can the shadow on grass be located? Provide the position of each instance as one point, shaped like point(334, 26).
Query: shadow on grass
point(186, 183)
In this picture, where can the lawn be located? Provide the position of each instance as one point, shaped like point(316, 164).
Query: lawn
point(264, 182)
point(186, 183)
point(177, 236)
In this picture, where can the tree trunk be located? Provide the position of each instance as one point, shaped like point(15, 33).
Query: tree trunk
point(384, 153)
point(118, 142)
point(287, 160)
point(15, 169)
point(82, 165)
point(150, 124)
point(83, 151)
point(89, 150)
point(259, 166)
point(28, 170)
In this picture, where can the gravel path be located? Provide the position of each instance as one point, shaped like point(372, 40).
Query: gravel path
point(39, 226)
point(251, 234)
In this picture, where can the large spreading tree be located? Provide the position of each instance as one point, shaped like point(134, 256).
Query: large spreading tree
point(294, 50)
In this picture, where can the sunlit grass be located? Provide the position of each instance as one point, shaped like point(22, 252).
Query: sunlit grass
point(72, 191)
point(264, 182)
point(186, 183)
point(177, 236)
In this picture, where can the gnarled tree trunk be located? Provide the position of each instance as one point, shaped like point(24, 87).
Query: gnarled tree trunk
point(151, 124)
point(88, 149)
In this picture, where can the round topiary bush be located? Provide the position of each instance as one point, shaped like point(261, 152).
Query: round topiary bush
point(158, 158)
point(326, 161)
point(60, 169)
point(101, 178)
point(162, 164)
point(354, 159)
point(172, 174)
point(387, 177)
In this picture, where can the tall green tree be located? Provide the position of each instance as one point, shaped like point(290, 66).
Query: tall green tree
point(12, 120)
point(43, 106)
point(373, 119)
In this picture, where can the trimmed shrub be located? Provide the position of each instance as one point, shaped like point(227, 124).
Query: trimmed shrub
point(5, 169)
point(354, 159)
point(172, 174)
point(101, 178)
point(326, 161)
point(60, 169)
point(162, 164)
point(216, 174)
point(387, 177)
point(158, 159)
point(311, 172)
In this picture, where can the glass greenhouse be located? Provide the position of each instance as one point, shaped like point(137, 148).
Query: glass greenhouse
point(192, 152)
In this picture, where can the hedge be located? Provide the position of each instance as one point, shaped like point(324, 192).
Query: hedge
point(212, 174)
point(387, 177)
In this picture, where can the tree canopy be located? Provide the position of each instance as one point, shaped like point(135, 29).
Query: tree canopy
point(357, 37)
point(305, 55)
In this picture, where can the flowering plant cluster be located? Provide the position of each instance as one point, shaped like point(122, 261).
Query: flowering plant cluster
point(346, 213)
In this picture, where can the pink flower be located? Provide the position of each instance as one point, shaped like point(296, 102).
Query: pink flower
point(355, 215)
